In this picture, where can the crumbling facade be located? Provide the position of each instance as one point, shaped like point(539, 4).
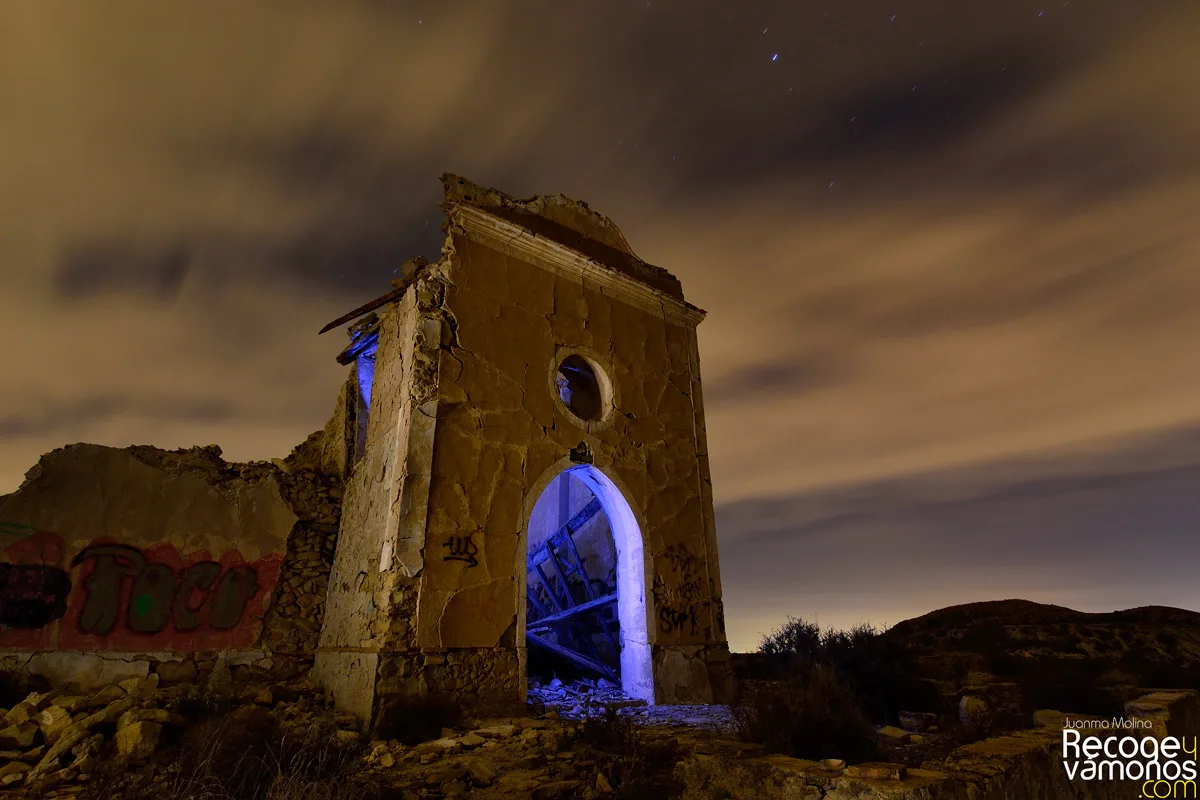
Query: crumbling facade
point(515, 478)
point(115, 563)
point(538, 344)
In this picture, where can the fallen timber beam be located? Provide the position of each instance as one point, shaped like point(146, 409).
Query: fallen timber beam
point(571, 655)
point(571, 613)
point(402, 286)
point(569, 528)
point(538, 608)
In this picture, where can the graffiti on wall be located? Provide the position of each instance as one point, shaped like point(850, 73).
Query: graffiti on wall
point(156, 595)
point(33, 588)
point(32, 595)
point(116, 596)
point(461, 548)
point(680, 600)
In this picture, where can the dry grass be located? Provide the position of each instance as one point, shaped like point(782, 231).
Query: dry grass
point(636, 767)
point(248, 754)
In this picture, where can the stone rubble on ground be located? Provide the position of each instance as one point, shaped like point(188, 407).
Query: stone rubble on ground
point(52, 743)
point(584, 698)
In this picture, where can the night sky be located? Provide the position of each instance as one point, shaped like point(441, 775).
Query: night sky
point(950, 253)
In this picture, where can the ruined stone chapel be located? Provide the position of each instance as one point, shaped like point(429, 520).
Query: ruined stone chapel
point(514, 483)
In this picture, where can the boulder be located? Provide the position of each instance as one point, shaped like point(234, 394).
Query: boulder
point(482, 773)
point(876, 770)
point(71, 703)
point(555, 790)
point(138, 740)
point(893, 733)
point(917, 721)
point(176, 671)
point(107, 695)
point(973, 712)
point(19, 736)
point(53, 722)
point(21, 712)
point(159, 716)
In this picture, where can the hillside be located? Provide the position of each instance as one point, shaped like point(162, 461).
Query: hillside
point(1059, 657)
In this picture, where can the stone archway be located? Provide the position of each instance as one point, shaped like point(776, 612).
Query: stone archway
point(589, 586)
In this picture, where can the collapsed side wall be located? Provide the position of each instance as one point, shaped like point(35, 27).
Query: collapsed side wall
point(501, 430)
point(372, 592)
point(120, 562)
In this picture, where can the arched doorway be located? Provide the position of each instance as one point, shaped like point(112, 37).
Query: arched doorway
point(586, 585)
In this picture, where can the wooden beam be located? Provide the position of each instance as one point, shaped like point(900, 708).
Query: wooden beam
point(395, 294)
point(587, 584)
point(352, 352)
point(562, 579)
point(549, 589)
point(571, 613)
point(538, 608)
point(569, 528)
point(571, 655)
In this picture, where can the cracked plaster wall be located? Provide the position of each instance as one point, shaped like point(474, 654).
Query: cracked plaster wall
point(500, 429)
point(145, 600)
point(373, 585)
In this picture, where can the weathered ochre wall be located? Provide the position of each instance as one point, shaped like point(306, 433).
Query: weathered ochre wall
point(121, 560)
point(368, 639)
point(501, 431)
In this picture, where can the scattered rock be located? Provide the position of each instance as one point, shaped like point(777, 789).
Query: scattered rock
point(973, 712)
point(877, 770)
point(138, 740)
point(555, 790)
point(481, 772)
point(70, 703)
point(53, 722)
point(19, 736)
point(105, 696)
point(471, 741)
point(176, 671)
point(21, 712)
point(496, 731)
point(917, 721)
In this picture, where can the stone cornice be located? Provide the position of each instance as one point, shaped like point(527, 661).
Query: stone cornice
point(519, 242)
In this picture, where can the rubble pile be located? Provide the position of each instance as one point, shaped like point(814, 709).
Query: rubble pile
point(579, 699)
point(60, 736)
point(53, 741)
point(585, 698)
point(65, 743)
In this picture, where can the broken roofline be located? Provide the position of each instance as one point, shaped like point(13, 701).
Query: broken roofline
point(493, 228)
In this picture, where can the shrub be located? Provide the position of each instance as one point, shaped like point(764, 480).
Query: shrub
point(797, 641)
point(878, 672)
point(812, 715)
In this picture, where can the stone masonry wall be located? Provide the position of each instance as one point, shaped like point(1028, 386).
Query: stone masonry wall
point(116, 563)
point(373, 586)
point(501, 433)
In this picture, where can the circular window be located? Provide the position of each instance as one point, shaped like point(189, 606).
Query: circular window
point(580, 389)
